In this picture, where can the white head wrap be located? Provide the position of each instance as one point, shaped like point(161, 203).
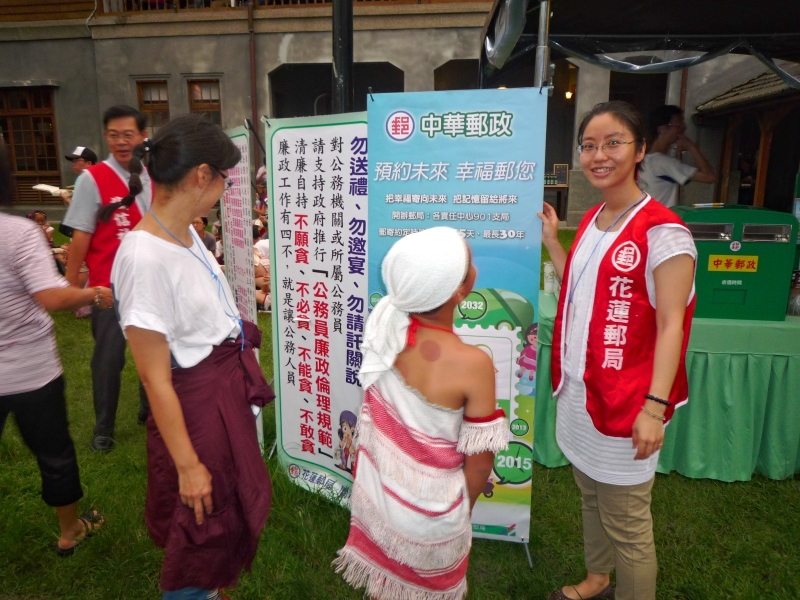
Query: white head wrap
point(422, 271)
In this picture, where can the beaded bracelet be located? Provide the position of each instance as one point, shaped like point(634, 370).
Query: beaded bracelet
point(654, 415)
point(659, 400)
point(97, 297)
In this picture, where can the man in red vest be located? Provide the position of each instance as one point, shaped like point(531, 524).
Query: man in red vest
point(96, 243)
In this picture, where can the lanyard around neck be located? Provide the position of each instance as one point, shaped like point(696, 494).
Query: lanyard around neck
point(177, 239)
point(597, 245)
point(220, 289)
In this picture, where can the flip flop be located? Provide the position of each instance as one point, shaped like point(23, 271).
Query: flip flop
point(89, 519)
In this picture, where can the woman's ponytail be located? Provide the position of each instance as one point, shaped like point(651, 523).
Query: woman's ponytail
point(134, 183)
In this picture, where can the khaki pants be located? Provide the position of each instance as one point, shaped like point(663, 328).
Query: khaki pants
point(618, 532)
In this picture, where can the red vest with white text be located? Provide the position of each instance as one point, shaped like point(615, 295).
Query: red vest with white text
point(107, 237)
point(622, 328)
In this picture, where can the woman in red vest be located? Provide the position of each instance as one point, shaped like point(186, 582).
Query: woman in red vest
point(619, 346)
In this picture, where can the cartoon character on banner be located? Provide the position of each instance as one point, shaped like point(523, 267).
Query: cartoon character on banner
point(346, 452)
point(527, 362)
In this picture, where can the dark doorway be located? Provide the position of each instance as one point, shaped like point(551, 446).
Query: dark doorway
point(745, 158)
point(560, 126)
point(784, 162)
point(456, 74)
point(561, 115)
point(304, 89)
point(560, 106)
point(645, 92)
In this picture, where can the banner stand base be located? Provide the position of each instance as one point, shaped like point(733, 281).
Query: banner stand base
point(528, 554)
point(272, 451)
point(275, 443)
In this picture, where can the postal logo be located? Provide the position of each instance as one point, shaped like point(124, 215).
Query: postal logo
point(626, 257)
point(400, 125)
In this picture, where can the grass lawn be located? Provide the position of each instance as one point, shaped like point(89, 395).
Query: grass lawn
point(714, 540)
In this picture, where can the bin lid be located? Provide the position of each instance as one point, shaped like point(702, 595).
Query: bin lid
point(732, 213)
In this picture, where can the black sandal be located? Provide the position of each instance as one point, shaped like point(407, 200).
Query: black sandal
point(90, 519)
point(606, 594)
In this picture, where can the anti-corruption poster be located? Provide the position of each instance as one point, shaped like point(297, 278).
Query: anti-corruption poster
point(473, 161)
point(317, 177)
point(237, 236)
point(237, 233)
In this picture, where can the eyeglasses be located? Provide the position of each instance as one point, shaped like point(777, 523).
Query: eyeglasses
point(115, 136)
point(228, 182)
point(610, 147)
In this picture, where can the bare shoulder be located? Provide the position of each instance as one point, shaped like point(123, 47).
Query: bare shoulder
point(477, 381)
point(477, 357)
point(471, 360)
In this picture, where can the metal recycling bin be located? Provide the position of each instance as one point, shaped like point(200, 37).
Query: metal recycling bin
point(745, 257)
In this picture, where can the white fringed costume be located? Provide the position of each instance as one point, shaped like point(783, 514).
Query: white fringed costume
point(410, 531)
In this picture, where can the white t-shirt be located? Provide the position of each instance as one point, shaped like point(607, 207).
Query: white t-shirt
point(170, 289)
point(662, 175)
point(603, 458)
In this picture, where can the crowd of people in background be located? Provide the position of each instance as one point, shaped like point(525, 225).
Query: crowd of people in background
point(83, 158)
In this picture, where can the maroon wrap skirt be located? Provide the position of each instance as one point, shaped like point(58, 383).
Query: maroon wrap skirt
point(215, 396)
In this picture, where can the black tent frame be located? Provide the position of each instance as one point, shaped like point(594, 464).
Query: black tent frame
point(768, 30)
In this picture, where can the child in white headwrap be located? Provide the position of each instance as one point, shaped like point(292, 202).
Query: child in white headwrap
point(427, 432)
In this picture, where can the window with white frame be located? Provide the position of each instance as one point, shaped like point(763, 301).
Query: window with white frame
point(154, 103)
point(204, 97)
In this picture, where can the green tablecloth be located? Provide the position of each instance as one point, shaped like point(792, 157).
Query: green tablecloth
point(743, 414)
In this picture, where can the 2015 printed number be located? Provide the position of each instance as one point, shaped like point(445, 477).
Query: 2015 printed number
point(514, 462)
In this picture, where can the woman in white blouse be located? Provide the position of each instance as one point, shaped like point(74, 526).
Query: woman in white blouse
point(619, 347)
point(208, 488)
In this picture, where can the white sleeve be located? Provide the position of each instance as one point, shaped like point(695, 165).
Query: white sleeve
point(666, 241)
point(142, 290)
point(676, 170)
